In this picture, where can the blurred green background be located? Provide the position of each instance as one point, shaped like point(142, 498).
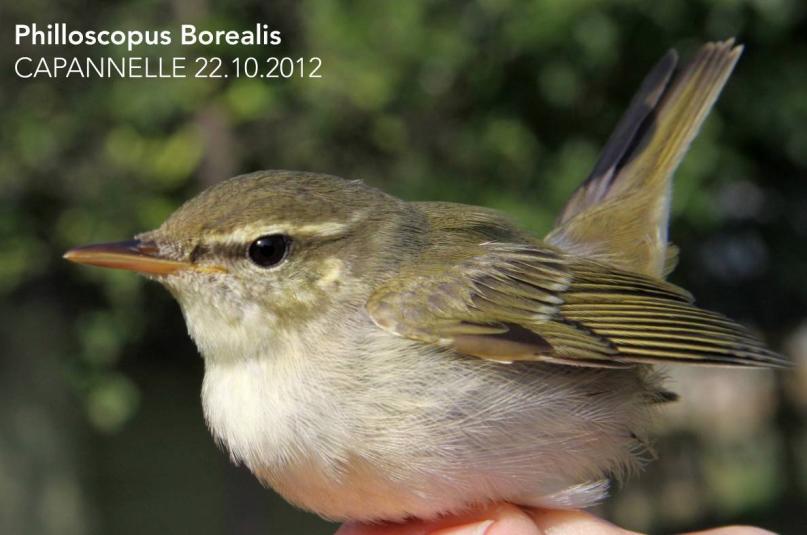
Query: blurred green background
point(494, 102)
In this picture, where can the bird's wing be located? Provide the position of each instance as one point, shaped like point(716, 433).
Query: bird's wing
point(509, 302)
point(620, 213)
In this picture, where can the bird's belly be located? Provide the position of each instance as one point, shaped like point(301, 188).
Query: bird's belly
point(358, 492)
point(401, 433)
point(363, 493)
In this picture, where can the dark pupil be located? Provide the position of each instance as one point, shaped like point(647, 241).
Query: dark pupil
point(267, 251)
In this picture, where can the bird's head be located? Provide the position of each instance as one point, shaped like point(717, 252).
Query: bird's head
point(273, 249)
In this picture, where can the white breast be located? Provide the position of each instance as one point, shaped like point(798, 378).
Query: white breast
point(353, 422)
point(275, 406)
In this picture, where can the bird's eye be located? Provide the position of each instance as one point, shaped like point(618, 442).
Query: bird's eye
point(268, 251)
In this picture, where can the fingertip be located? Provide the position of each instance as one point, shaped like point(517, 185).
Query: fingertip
point(497, 519)
point(559, 521)
point(512, 520)
point(500, 519)
point(476, 528)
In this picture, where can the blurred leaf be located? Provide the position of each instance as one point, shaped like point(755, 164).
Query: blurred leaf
point(112, 402)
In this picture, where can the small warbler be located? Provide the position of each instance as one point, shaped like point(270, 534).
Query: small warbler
point(375, 359)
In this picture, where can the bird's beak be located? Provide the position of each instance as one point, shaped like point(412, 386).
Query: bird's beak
point(133, 255)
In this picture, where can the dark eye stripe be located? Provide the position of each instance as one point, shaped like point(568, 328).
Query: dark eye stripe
point(199, 251)
point(219, 250)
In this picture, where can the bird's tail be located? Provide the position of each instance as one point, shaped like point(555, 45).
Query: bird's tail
point(620, 213)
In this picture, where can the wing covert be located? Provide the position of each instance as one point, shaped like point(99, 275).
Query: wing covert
point(509, 302)
point(496, 301)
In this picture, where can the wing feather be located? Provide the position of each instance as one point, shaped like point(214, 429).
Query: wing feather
point(593, 294)
point(508, 302)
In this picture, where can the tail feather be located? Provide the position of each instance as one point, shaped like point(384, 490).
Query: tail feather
point(620, 213)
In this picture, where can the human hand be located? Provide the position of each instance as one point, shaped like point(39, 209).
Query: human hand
point(506, 519)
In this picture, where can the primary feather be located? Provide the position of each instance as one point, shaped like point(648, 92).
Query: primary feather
point(526, 300)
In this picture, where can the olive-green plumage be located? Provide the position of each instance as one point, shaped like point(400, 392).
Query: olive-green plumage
point(596, 297)
point(376, 359)
point(531, 301)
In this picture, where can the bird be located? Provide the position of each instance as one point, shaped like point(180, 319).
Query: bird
point(375, 359)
